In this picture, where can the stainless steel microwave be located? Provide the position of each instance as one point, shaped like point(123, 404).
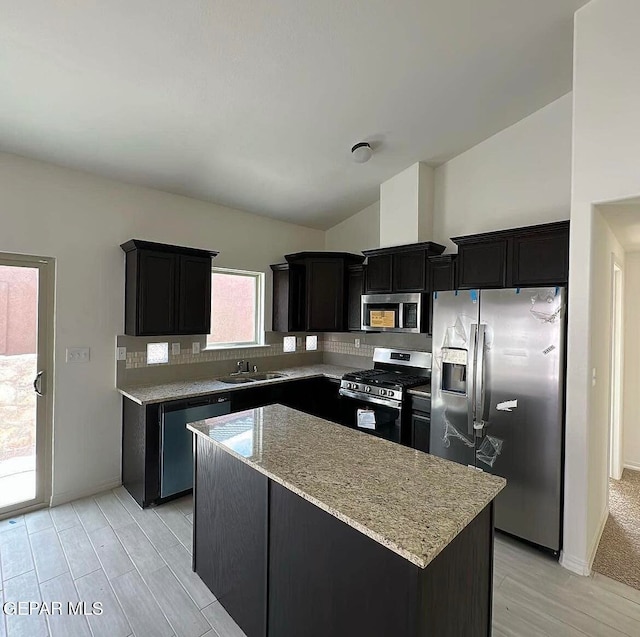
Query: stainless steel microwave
point(393, 313)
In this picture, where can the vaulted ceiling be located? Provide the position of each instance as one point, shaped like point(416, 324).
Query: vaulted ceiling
point(256, 103)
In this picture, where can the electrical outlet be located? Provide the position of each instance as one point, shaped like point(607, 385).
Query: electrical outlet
point(121, 353)
point(175, 349)
point(195, 347)
point(357, 343)
point(78, 354)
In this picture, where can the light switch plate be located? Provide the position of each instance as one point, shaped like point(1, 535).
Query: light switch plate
point(121, 353)
point(175, 349)
point(78, 354)
point(195, 347)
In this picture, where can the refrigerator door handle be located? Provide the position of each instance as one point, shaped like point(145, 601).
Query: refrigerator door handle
point(471, 379)
point(479, 383)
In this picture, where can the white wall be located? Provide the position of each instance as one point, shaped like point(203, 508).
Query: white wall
point(605, 249)
point(631, 413)
point(521, 176)
point(357, 233)
point(81, 220)
point(606, 145)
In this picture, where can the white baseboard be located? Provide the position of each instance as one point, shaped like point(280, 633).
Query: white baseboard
point(578, 565)
point(632, 465)
point(69, 496)
point(574, 564)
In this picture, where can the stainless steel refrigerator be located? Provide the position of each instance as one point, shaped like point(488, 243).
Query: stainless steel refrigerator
point(497, 399)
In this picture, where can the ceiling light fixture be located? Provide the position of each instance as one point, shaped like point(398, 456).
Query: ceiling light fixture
point(361, 152)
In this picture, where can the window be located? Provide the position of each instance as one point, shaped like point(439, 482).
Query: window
point(237, 308)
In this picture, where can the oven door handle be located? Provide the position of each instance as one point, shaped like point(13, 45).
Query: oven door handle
point(385, 402)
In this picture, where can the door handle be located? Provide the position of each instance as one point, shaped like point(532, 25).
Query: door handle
point(480, 380)
point(471, 379)
point(37, 383)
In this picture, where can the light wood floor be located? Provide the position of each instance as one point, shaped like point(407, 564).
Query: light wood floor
point(138, 564)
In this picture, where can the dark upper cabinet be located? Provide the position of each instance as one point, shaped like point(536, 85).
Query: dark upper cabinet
point(482, 264)
point(355, 290)
point(194, 289)
point(379, 277)
point(442, 272)
point(167, 289)
point(288, 298)
point(520, 257)
point(400, 268)
point(409, 271)
point(326, 287)
point(540, 258)
point(310, 291)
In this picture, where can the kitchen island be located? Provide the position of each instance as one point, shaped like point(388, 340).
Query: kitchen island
point(304, 527)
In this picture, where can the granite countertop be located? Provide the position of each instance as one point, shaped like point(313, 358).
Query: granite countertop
point(149, 394)
point(411, 502)
point(422, 391)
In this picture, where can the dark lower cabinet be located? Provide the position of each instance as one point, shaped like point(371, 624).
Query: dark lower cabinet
point(230, 534)
point(141, 451)
point(420, 422)
point(420, 431)
point(283, 567)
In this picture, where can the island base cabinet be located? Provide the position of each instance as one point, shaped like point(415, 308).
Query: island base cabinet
point(230, 534)
point(327, 578)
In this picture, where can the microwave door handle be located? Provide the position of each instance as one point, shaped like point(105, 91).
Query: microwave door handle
point(471, 376)
point(401, 315)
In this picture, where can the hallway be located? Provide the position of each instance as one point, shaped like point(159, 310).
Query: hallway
point(618, 555)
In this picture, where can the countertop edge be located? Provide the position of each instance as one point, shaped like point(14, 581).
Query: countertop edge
point(226, 389)
point(420, 562)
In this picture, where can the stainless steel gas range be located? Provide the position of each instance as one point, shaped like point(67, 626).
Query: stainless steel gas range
point(377, 397)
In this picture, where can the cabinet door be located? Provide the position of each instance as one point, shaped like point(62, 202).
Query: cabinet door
point(409, 271)
point(194, 295)
point(441, 275)
point(420, 431)
point(540, 259)
point(156, 286)
point(379, 273)
point(482, 265)
point(288, 298)
point(231, 508)
point(355, 292)
point(325, 295)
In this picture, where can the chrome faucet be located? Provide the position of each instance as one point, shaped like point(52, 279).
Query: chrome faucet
point(239, 366)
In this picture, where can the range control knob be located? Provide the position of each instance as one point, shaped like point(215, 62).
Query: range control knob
point(367, 389)
point(383, 392)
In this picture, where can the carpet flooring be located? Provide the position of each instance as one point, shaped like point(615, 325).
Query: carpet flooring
point(618, 555)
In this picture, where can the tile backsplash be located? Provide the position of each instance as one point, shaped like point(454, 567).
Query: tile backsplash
point(354, 349)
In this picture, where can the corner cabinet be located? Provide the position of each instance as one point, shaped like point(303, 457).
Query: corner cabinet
point(400, 269)
point(310, 291)
point(167, 289)
point(520, 257)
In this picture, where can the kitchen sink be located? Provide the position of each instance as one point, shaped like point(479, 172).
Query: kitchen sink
point(266, 375)
point(236, 379)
